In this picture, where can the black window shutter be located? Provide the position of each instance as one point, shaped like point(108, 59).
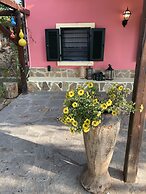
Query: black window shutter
point(52, 44)
point(97, 39)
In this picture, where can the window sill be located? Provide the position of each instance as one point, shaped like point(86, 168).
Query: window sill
point(75, 63)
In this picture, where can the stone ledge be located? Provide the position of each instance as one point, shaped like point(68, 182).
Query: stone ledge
point(63, 84)
point(68, 72)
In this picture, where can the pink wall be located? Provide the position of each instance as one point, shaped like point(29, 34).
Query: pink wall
point(120, 42)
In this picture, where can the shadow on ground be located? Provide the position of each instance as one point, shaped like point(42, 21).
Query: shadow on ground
point(38, 155)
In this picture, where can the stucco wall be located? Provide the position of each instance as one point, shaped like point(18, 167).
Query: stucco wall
point(120, 42)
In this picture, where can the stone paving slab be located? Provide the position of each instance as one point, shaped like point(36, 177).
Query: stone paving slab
point(38, 155)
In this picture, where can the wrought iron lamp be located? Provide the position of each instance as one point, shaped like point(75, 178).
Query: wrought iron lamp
point(109, 73)
point(126, 16)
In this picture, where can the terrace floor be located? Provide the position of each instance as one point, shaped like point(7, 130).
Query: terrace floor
point(38, 155)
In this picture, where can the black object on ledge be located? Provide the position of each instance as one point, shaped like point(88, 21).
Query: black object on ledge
point(49, 68)
point(99, 76)
point(89, 73)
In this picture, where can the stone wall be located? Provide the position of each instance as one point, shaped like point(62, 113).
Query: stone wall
point(55, 72)
point(8, 58)
point(67, 72)
point(63, 79)
point(69, 84)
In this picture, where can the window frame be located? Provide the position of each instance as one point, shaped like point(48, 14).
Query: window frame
point(74, 25)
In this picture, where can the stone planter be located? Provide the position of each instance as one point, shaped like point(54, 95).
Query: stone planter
point(99, 146)
point(11, 89)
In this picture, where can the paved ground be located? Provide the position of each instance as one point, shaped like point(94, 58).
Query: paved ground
point(38, 155)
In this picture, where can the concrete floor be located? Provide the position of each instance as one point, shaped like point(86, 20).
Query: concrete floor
point(38, 155)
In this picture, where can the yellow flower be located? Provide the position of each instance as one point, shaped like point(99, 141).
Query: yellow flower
point(95, 123)
point(99, 121)
point(114, 113)
point(71, 93)
point(95, 101)
point(72, 130)
point(62, 120)
point(99, 114)
point(67, 119)
point(109, 102)
point(113, 96)
point(74, 123)
point(65, 110)
point(67, 95)
point(71, 120)
point(120, 88)
point(141, 108)
point(86, 130)
point(86, 127)
point(90, 85)
point(79, 87)
point(81, 92)
point(74, 104)
point(103, 106)
point(87, 121)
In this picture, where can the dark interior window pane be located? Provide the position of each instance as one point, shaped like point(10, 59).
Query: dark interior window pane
point(75, 44)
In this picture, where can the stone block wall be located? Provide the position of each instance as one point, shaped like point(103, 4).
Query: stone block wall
point(8, 58)
point(40, 79)
point(55, 72)
point(66, 85)
point(68, 72)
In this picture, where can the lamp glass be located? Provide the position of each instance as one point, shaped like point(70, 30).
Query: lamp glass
point(127, 14)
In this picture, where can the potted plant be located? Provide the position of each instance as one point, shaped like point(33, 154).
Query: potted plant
point(98, 117)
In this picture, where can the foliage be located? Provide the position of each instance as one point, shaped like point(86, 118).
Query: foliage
point(84, 107)
point(5, 20)
point(2, 91)
point(11, 68)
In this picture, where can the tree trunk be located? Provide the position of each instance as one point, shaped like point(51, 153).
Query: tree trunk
point(99, 146)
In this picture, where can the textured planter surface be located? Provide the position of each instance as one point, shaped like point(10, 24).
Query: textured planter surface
point(99, 146)
point(11, 89)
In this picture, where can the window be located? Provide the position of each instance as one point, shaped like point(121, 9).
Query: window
point(75, 44)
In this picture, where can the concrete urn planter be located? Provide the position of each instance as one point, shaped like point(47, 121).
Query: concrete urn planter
point(99, 146)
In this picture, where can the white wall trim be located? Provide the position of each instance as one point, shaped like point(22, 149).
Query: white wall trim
point(75, 63)
point(75, 25)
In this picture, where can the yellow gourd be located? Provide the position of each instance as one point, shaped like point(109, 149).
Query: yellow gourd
point(22, 41)
point(21, 35)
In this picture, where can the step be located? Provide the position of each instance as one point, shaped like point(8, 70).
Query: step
point(65, 84)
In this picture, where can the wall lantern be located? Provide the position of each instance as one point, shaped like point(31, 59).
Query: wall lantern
point(126, 16)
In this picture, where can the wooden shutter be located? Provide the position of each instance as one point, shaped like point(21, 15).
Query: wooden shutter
point(97, 39)
point(52, 44)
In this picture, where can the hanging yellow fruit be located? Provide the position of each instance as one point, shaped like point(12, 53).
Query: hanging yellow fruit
point(21, 35)
point(22, 42)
